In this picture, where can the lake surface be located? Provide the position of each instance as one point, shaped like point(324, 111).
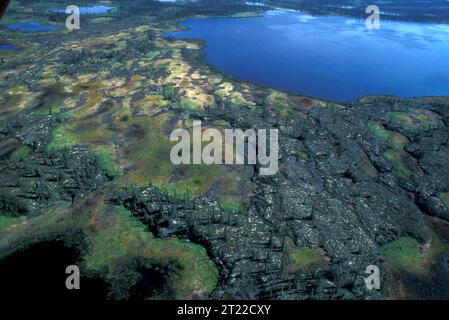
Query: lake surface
point(29, 27)
point(89, 10)
point(330, 57)
point(8, 47)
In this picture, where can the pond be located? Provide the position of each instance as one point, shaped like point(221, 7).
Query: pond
point(330, 57)
point(89, 10)
point(38, 274)
point(8, 47)
point(30, 27)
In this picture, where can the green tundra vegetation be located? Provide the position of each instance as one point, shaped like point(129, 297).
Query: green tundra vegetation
point(85, 81)
point(407, 254)
point(403, 253)
point(301, 258)
point(6, 222)
point(106, 247)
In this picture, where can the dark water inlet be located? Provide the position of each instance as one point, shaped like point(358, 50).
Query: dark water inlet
point(38, 274)
point(152, 282)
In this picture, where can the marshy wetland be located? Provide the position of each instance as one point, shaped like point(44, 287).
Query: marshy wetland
point(85, 120)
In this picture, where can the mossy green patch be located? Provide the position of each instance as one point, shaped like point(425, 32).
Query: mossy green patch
point(178, 68)
point(403, 163)
point(230, 203)
point(65, 136)
point(214, 80)
point(238, 99)
point(113, 241)
point(169, 92)
point(416, 120)
point(190, 104)
point(152, 54)
point(445, 198)
point(20, 153)
point(199, 179)
point(279, 100)
point(153, 101)
point(105, 160)
point(6, 222)
point(149, 158)
point(226, 92)
point(395, 139)
point(378, 130)
point(126, 238)
point(176, 192)
point(61, 139)
point(305, 258)
point(149, 155)
point(301, 258)
point(79, 131)
point(403, 253)
point(101, 20)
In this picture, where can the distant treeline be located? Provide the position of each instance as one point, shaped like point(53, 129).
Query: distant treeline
point(412, 10)
point(408, 10)
point(173, 10)
point(128, 8)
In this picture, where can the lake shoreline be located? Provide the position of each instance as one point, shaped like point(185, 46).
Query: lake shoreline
point(185, 31)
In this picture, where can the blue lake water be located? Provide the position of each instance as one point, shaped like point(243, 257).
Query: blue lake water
point(329, 57)
point(89, 10)
point(9, 47)
point(30, 27)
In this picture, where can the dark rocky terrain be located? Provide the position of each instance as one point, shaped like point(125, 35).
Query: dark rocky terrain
point(335, 192)
point(344, 199)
